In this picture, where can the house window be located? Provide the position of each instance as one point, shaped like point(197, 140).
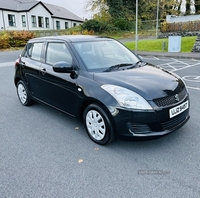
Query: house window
point(66, 25)
point(33, 19)
point(47, 22)
point(11, 20)
point(40, 22)
point(58, 25)
point(23, 21)
point(74, 24)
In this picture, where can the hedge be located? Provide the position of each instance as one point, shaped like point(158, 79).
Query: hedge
point(19, 38)
point(180, 27)
point(14, 38)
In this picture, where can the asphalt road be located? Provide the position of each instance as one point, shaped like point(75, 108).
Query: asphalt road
point(45, 153)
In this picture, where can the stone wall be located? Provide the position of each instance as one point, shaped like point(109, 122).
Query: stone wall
point(179, 19)
point(183, 34)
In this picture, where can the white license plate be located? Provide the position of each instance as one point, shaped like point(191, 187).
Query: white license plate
point(178, 109)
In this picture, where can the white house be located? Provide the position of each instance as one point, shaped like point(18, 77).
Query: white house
point(35, 15)
point(179, 19)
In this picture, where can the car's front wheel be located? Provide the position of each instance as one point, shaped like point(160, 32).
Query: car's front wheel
point(23, 94)
point(97, 124)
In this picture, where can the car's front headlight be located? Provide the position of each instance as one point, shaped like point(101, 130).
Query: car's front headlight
point(127, 98)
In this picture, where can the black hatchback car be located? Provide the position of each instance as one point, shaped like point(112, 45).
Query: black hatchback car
point(101, 82)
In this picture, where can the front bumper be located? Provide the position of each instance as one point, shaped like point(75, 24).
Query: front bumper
point(132, 125)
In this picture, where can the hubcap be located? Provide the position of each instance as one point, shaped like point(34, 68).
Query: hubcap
point(95, 125)
point(22, 93)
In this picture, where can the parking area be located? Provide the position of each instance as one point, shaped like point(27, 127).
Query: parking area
point(188, 69)
point(45, 153)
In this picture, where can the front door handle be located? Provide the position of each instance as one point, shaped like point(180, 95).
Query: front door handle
point(43, 71)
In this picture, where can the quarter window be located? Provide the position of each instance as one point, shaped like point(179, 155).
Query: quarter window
point(33, 18)
point(34, 50)
point(57, 52)
point(11, 20)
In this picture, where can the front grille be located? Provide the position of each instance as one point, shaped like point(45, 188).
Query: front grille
point(169, 125)
point(139, 128)
point(170, 100)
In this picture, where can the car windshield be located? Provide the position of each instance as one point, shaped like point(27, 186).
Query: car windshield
point(104, 54)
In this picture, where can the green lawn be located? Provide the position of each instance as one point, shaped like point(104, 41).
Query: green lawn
point(156, 45)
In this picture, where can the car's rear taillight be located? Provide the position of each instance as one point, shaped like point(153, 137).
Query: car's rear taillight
point(17, 62)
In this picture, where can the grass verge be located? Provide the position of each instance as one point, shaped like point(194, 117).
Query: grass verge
point(156, 45)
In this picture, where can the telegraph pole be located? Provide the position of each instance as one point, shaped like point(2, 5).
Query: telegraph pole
point(157, 18)
point(136, 27)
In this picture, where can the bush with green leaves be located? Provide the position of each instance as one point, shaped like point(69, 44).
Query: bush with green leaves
point(92, 25)
point(99, 26)
point(123, 24)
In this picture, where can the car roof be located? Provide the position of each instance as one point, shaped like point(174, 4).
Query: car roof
point(71, 38)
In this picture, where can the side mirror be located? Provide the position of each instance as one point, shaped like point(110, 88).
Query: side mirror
point(63, 67)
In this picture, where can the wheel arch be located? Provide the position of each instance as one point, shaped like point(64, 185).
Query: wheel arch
point(108, 121)
point(16, 80)
point(86, 103)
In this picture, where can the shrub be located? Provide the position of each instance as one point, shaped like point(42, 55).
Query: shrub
point(92, 25)
point(15, 38)
point(19, 38)
point(123, 24)
point(180, 27)
point(4, 41)
point(99, 26)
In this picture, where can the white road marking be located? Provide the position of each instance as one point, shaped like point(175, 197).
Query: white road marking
point(196, 88)
point(7, 64)
point(174, 65)
point(192, 78)
point(187, 67)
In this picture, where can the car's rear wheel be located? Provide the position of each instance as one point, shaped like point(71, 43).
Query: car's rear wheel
point(23, 94)
point(97, 124)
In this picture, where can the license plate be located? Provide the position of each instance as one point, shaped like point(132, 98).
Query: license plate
point(178, 109)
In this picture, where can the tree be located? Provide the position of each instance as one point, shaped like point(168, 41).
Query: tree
point(125, 9)
point(188, 7)
point(197, 6)
point(146, 8)
point(169, 8)
point(188, 10)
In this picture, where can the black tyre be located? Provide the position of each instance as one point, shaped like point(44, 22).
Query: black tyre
point(97, 124)
point(23, 94)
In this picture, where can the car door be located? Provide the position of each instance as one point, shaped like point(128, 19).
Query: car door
point(30, 64)
point(58, 89)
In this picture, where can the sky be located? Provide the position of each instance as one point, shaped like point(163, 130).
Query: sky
point(74, 6)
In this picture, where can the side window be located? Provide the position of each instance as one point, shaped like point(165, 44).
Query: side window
point(33, 50)
point(57, 52)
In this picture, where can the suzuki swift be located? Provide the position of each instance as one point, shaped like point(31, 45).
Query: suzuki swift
point(105, 85)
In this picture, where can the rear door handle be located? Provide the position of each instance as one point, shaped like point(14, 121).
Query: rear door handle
point(23, 64)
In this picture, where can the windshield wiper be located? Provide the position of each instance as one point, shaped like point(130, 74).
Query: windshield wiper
point(117, 66)
point(138, 64)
